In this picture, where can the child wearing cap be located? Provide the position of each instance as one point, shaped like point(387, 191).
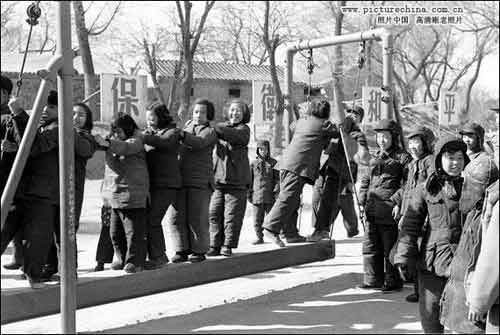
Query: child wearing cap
point(387, 174)
point(420, 143)
point(435, 204)
point(264, 186)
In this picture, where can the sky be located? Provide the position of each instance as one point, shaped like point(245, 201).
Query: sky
point(160, 14)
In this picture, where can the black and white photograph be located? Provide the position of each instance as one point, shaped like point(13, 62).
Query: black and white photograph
point(250, 167)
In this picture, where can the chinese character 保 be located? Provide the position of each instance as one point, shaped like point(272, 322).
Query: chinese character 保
point(125, 98)
point(268, 102)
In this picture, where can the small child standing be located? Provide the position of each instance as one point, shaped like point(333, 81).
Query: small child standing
point(264, 186)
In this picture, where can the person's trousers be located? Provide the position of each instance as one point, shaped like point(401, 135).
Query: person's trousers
point(328, 201)
point(259, 212)
point(377, 244)
point(325, 196)
point(161, 200)
point(225, 216)
point(430, 287)
point(35, 220)
point(283, 214)
point(188, 220)
point(128, 235)
point(105, 251)
point(492, 319)
point(55, 247)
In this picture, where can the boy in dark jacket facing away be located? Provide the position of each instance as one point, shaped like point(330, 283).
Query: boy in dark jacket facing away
point(264, 186)
point(387, 174)
point(331, 191)
point(299, 165)
point(435, 205)
point(420, 143)
point(232, 180)
point(162, 143)
point(14, 121)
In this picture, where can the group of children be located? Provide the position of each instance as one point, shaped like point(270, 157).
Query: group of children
point(424, 209)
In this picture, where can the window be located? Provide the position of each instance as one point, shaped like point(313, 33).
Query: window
point(234, 92)
point(192, 91)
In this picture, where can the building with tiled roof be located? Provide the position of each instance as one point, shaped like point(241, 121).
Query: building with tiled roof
point(222, 82)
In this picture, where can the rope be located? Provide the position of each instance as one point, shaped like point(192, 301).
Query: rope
point(34, 13)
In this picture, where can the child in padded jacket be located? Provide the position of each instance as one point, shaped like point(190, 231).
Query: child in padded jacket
point(434, 214)
point(264, 186)
point(232, 180)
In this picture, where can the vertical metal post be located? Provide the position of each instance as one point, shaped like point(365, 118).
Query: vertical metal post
point(387, 110)
point(288, 94)
point(66, 169)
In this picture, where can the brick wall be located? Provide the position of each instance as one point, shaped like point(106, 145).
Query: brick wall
point(31, 83)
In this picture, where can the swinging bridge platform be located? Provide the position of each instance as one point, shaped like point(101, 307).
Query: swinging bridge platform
point(20, 302)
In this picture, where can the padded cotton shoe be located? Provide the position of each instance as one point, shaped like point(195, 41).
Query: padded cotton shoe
point(196, 258)
point(131, 268)
point(318, 235)
point(213, 251)
point(99, 267)
point(226, 251)
point(275, 238)
point(296, 239)
point(258, 240)
point(412, 297)
point(12, 266)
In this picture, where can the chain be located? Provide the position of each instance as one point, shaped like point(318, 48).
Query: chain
point(34, 12)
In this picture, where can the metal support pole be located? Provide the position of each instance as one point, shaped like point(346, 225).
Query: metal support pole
point(288, 95)
point(380, 34)
point(66, 169)
point(387, 110)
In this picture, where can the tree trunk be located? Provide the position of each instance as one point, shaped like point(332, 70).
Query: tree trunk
point(89, 76)
point(186, 86)
point(338, 87)
point(278, 119)
point(173, 87)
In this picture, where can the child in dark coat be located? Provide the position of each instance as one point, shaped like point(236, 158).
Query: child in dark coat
point(232, 180)
point(189, 225)
point(264, 187)
point(387, 175)
point(434, 214)
point(420, 143)
point(14, 121)
point(299, 165)
point(162, 141)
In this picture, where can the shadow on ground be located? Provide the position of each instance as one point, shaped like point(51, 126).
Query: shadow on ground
point(329, 306)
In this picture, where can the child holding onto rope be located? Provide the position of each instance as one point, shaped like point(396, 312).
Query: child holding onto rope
point(162, 149)
point(232, 179)
point(264, 187)
point(14, 121)
point(126, 189)
point(190, 219)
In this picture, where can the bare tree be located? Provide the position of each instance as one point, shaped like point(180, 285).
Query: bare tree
point(274, 21)
point(237, 38)
point(190, 39)
point(83, 33)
